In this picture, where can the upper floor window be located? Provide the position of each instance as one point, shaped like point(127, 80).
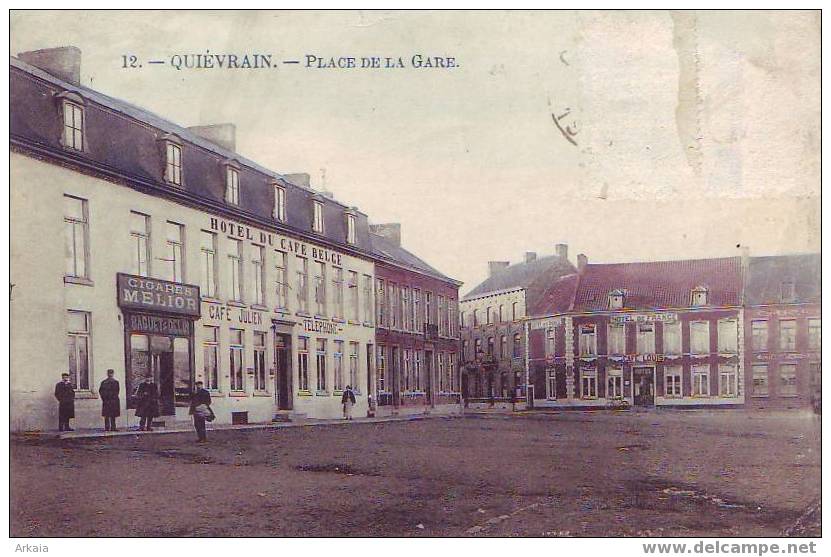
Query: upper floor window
point(175, 256)
point(699, 337)
point(588, 340)
point(759, 335)
point(787, 335)
point(728, 336)
point(173, 161)
point(672, 337)
point(475, 317)
point(550, 342)
point(489, 314)
point(617, 339)
point(517, 345)
point(317, 217)
point(814, 334)
point(514, 311)
point(76, 234)
point(351, 232)
point(788, 291)
point(232, 184)
point(279, 203)
point(140, 235)
point(698, 296)
point(501, 313)
point(616, 299)
point(645, 338)
point(73, 122)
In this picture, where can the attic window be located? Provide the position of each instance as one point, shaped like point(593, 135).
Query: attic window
point(173, 159)
point(699, 296)
point(351, 231)
point(788, 291)
point(232, 182)
point(317, 217)
point(616, 299)
point(72, 109)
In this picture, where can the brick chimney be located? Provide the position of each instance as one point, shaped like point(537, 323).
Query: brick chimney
point(496, 266)
point(530, 256)
point(301, 179)
point(582, 261)
point(64, 62)
point(561, 250)
point(391, 231)
point(224, 135)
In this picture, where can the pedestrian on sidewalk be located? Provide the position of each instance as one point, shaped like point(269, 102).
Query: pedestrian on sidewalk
point(200, 409)
point(348, 401)
point(147, 407)
point(110, 405)
point(65, 394)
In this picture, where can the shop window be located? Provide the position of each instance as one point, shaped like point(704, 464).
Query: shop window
point(787, 380)
point(787, 335)
point(320, 362)
point(78, 348)
point(759, 335)
point(210, 357)
point(727, 382)
point(760, 380)
point(76, 237)
point(672, 338)
point(140, 236)
point(617, 339)
point(236, 353)
point(614, 382)
point(260, 370)
point(208, 264)
point(303, 363)
point(701, 380)
point(672, 382)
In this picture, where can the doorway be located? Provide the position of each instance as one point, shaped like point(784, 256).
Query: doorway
point(167, 360)
point(643, 386)
point(282, 364)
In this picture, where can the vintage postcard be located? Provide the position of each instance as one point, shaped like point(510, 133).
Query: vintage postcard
point(423, 274)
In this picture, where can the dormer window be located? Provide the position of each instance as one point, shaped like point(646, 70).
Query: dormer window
point(788, 291)
point(698, 296)
point(616, 299)
point(232, 183)
point(72, 108)
point(279, 202)
point(317, 217)
point(173, 160)
point(351, 232)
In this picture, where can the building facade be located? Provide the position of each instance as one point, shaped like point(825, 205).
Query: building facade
point(156, 250)
point(783, 332)
point(417, 334)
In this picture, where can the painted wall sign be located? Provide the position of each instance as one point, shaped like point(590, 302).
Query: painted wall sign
point(320, 326)
point(644, 317)
point(148, 294)
point(770, 356)
point(546, 323)
point(233, 314)
point(157, 324)
point(787, 312)
point(290, 245)
point(643, 358)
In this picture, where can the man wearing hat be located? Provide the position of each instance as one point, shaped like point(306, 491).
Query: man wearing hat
point(110, 403)
point(66, 402)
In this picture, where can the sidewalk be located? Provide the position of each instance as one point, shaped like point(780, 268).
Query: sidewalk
point(188, 428)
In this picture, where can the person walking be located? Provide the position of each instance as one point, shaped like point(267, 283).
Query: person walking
point(348, 401)
point(65, 394)
point(147, 407)
point(200, 409)
point(110, 405)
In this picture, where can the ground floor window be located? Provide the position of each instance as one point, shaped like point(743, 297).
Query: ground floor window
point(417, 380)
point(381, 370)
point(236, 358)
point(320, 361)
point(787, 379)
point(259, 361)
point(672, 382)
point(303, 363)
point(760, 380)
point(78, 348)
point(551, 384)
point(338, 360)
point(614, 383)
point(816, 375)
point(408, 370)
point(701, 380)
point(442, 377)
point(353, 365)
point(210, 357)
point(728, 384)
point(588, 383)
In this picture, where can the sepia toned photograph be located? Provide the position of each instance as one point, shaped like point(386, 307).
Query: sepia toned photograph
point(416, 274)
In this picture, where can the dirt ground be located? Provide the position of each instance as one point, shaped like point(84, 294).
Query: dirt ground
point(729, 473)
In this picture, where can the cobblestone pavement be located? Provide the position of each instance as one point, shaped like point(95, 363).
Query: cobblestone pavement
point(659, 473)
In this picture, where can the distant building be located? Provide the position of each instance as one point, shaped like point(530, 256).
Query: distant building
point(783, 330)
point(493, 329)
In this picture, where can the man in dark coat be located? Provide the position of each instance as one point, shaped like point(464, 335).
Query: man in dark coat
point(147, 406)
point(200, 409)
point(348, 401)
point(110, 405)
point(66, 402)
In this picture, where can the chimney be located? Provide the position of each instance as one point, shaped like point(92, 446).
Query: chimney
point(391, 231)
point(530, 256)
point(496, 266)
point(301, 179)
point(224, 135)
point(561, 250)
point(64, 62)
point(582, 261)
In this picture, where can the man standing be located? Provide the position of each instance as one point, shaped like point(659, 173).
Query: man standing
point(200, 409)
point(66, 402)
point(147, 406)
point(348, 401)
point(110, 405)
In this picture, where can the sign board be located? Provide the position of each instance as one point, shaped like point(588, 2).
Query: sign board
point(546, 323)
point(158, 324)
point(644, 317)
point(322, 326)
point(234, 314)
point(155, 295)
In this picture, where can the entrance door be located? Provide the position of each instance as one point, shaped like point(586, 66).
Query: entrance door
point(282, 362)
point(163, 364)
point(643, 386)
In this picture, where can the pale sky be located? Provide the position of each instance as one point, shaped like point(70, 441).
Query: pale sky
point(695, 132)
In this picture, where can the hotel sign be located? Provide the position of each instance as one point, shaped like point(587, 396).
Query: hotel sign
point(154, 295)
point(644, 317)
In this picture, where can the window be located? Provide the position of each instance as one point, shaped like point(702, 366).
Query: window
point(698, 296)
point(477, 347)
point(258, 268)
point(73, 125)
point(700, 337)
point(320, 287)
point(517, 345)
point(787, 379)
point(302, 284)
point(353, 364)
point(490, 346)
point(175, 257)
point(303, 363)
point(514, 311)
point(759, 335)
point(443, 323)
point(475, 317)
point(235, 268)
point(354, 315)
point(393, 294)
point(406, 310)
point(259, 361)
point(616, 299)
point(417, 316)
point(551, 342)
point(551, 384)
point(281, 279)
point(503, 347)
point(588, 382)
point(368, 305)
point(452, 382)
point(701, 380)
point(645, 337)
point(210, 360)
point(465, 346)
point(815, 370)
point(337, 292)
point(441, 373)
point(814, 334)
point(489, 315)
point(501, 316)
point(78, 348)
point(760, 380)
point(279, 203)
point(788, 291)
point(317, 217)
point(787, 335)
point(208, 263)
point(672, 382)
point(417, 379)
point(381, 302)
point(727, 383)
point(140, 235)
point(237, 349)
point(728, 336)
point(672, 337)
point(428, 308)
point(617, 339)
point(614, 382)
point(76, 236)
point(381, 369)
point(338, 355)
point(320, 361)
point(408, 371)
point(173, 164)
point(231, 185)
point(588, 340)
point(351, 234)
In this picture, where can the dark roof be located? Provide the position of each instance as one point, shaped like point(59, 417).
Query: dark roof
point(557, 297)
point(660, 284)
point(534, 276)
point(766, 275)
point(388, 250)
